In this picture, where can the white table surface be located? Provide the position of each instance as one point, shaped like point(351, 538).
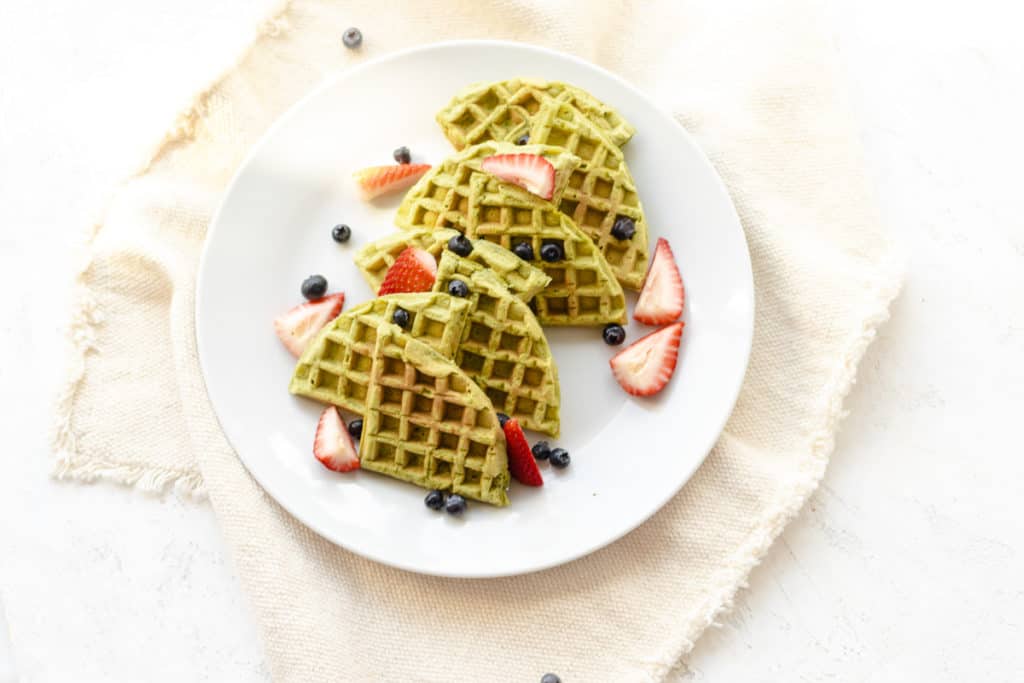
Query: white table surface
point(908, 563)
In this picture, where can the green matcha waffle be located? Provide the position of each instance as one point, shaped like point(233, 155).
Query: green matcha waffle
point(503, 348)
point(600, 191)
point(583, 289)
point(336, 366)
point(522, 279)
point(429, 424)
point(501, 111)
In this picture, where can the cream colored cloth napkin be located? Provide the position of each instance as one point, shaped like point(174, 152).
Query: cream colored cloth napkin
point(752, 81)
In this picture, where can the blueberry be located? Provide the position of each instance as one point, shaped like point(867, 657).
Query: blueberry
point(560, 458)
point(400, 317)
point(352, 38)
point(455, 505)
point(355, 428)
point(434, 500)
point(613, 334)
point(623, 228)
point(460, 245)
point(552, 252)
point(502, 419)
point(402, 155)
point(522, 139)
point(523, 250)
point(458, 288)
point(541, 450)
point(340, 233)
point(550, 678)
point(314, 286)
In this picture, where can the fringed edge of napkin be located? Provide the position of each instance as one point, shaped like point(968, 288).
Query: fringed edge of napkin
point(86, 315)
point(821, 443)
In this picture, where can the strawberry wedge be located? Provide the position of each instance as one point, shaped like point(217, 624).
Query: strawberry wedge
point(532, 172)
point(377, 180)
point(521, 462)
point(661, 299)
point(644, 367)
point(299, 325)
point(413, 271)
point(333, 445)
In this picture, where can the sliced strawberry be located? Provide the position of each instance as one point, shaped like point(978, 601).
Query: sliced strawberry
point(299, 325)
point(645, 366)
point(661, 299)
point(521, 462)
point(378, 180)
point(333, 445)
point(531, 172)
point(413, 271)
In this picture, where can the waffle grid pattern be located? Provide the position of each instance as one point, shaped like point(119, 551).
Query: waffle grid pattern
point(502, 111)
point(582, 291)
point(436, 430)
point(336, 367)
point(599, 191)
point(504, 348)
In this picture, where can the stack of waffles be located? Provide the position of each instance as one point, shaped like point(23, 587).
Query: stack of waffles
point(431, 388)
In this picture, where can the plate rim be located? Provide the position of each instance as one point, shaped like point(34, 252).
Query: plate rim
point(331, 81)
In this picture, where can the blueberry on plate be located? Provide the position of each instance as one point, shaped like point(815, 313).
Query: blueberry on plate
point(460, 245)
point(400, 317)
point(341, 233)
point(523, 250)
point(552, 252)
point(541, 450)
point(434, 500)
point(613, 334)
point(559, 458)
point(455, 505)
point(458, 288)
point(623, 228)
point(502, 419)
point(314, 287)
point(355, 428)
point(403, 155)
point(352, 38)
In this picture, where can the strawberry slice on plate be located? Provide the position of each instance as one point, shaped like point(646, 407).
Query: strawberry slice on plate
point(299, 325)
point(377, 180)
point(661, 299)
point(645, 366)
point(413, 271)
point(532, 172)
point(521, 462)
point(333, 445)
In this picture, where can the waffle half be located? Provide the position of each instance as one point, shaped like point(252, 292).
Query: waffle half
point(501, 110)
point(600, 191)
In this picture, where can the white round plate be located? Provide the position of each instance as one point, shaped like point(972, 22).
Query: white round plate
point(629, 455)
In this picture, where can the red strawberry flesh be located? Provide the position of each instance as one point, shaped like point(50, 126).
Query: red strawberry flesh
point(333, 445)
point(662, 298)
point(377, 180)
point(531, 172)
point(299, 325)
point(413, 271)
point(521, 462)
point(644, 367)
